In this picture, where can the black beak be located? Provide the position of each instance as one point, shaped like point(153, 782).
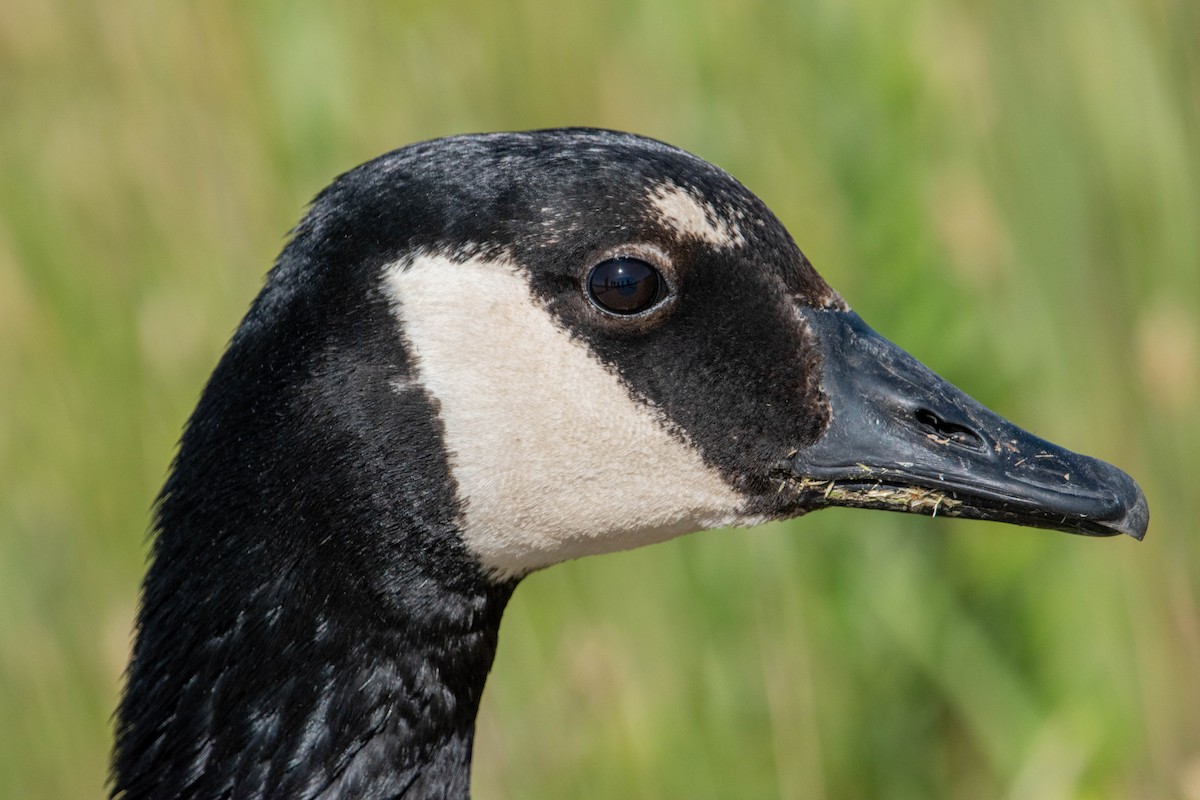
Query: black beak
point(903, 439)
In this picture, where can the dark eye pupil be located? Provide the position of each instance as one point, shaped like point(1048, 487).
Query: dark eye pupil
point(625, 285)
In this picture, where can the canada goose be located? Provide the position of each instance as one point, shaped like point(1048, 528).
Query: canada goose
point(477, 357)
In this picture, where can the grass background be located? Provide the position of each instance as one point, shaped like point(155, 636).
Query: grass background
point(1009, 189)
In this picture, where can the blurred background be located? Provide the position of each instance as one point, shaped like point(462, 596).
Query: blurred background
point(1009, 189)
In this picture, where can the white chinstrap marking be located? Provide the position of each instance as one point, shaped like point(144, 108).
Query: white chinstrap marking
point(552, 456)
point(693, 217)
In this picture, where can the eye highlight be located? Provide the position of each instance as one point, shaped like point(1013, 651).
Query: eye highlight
point(625, 285)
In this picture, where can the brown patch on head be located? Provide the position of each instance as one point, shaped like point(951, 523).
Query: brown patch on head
point(692, 217)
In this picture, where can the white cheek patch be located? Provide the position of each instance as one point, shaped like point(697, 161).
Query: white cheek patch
point(692, 217)
point(553, 457)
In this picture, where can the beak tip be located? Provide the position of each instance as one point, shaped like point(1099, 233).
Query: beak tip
point(1137, 517)
point(1130, 513)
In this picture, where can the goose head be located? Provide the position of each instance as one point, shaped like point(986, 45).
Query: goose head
point(478, 357)
point(624, 345)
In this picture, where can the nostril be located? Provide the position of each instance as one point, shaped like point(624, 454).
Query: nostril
point(928, 419)
point(948, 431)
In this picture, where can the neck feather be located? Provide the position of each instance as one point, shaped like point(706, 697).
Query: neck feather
point(302, 693)
point(312, 625)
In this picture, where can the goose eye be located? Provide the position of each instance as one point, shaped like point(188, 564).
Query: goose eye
point(625, 285)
